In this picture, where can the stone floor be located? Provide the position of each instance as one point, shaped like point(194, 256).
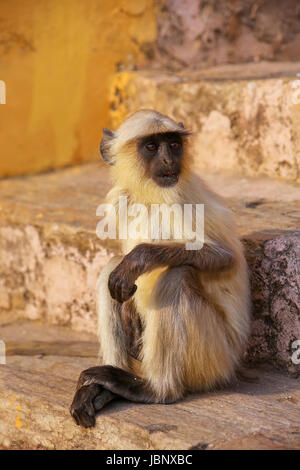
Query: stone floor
point(38, 381)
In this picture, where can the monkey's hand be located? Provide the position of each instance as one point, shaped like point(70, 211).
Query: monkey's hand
point(121, 283)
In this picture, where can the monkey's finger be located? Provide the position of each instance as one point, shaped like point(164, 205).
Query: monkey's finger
point(127, 293)
point(116, 292)
point(112, 285)
point(113, 290)
point(118, 289)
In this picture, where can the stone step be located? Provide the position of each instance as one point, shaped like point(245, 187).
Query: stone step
point(50, 256)
point(245, 118)
point(36, 392)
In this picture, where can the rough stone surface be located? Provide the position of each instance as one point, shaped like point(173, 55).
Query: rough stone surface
point(36, 391)
point(193, 33)
point(275, 281)
point(241, 123)
point(50, 256)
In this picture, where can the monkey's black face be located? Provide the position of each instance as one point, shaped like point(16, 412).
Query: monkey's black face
point(162, 155)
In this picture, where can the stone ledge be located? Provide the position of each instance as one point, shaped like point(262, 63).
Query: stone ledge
point(273, 259)
point(241, 121)
point(48, 227)
point(36, 391)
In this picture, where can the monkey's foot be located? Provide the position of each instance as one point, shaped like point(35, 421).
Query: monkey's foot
point(82, 408)
point(89, 399)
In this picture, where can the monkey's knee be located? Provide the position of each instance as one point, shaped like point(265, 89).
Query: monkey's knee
point(110, 333)
point(108, 268)
point(103, 298)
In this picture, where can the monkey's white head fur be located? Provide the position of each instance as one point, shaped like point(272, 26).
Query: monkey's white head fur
point(119, 148)
point(145, 122)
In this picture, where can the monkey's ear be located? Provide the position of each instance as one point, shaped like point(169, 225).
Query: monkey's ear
point(183, 132)
point(105, 143)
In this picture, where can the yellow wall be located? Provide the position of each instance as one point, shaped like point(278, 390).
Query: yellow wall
point(57, 58)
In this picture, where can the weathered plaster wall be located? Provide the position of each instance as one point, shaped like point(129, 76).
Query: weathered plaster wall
point(56, 59)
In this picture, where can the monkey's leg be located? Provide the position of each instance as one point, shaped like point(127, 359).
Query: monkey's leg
point(119, 334)
point(169, 326)
point(162, 334)
point(186, 342)
point(166, 339)
point(97, 386)
point(110, 329)
point(133, 331)
point(87, 400)
point(100, 385)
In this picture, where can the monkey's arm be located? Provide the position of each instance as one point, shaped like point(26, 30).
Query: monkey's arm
point(146, 257)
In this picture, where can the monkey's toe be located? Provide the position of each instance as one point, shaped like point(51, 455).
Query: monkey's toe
point(84, 414)
point(83, 418)
point(82, 408)
point(103, 399)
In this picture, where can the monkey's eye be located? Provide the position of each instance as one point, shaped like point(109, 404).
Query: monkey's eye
point(151, 147)
point(174, 145)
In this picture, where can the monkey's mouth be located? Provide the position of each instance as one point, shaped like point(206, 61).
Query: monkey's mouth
point(167, 179)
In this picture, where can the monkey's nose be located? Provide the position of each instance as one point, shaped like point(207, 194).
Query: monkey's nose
point(168, 163)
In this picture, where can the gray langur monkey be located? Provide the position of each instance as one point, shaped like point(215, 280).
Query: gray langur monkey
point(171, 321)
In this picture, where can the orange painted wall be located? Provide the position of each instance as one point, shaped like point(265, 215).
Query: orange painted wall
point(57, 58)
